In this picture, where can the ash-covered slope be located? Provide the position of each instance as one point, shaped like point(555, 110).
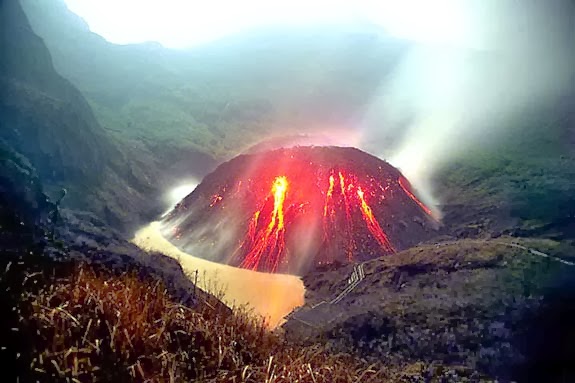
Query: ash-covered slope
point(289, 210)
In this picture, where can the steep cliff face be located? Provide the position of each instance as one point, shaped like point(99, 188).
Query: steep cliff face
point(47, 124)
point(43, 115)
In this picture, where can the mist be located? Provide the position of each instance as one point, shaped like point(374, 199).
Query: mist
point(470, 71)
point(463, 74)
point(446, 98)
point(177, 192)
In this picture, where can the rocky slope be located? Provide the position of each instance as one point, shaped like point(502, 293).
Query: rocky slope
point(49, 140)
point(478, 306)
point(48, 124)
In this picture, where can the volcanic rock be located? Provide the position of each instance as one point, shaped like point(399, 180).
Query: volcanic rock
point(289, 210)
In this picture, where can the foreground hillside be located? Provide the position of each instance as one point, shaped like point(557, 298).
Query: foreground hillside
point(89, 325)
point(71, 322)
point(481, 305)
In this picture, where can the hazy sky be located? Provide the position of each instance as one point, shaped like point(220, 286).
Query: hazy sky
point(184, 23)
point(443, 96)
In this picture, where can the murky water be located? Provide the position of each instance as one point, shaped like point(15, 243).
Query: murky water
point(270, 295)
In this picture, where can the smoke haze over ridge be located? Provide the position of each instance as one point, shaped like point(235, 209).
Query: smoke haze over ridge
point(470, 69)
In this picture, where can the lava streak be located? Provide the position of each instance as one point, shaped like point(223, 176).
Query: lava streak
point(329, 195)
point(279, 190)
point(271, 241)
point(404, 184)
point(372, 223)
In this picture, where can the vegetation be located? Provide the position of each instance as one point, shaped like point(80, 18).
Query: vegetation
point(478, 306)
point(69, 322)
point(86, 324)
point(525, 177)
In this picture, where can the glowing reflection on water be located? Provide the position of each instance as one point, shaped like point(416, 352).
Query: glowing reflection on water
point(270, 295)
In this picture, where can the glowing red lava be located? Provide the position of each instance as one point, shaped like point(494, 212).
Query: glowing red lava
point(271, 240)
point(372, 223)
point(292, 209)
point(406, 186)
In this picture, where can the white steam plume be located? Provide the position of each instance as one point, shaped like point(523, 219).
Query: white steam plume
point(447, 96)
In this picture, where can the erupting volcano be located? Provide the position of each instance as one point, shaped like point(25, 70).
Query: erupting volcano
point(290, 210)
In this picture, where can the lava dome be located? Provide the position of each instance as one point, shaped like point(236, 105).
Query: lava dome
point(291, 210)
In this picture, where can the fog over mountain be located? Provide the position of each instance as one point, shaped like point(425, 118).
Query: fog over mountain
point(419, 104)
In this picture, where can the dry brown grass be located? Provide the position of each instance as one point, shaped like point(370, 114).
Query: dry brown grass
point(95, 326)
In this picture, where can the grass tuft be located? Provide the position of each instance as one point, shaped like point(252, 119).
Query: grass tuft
point(98, 326)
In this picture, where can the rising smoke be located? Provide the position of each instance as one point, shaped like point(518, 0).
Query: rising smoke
point(446, 97)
